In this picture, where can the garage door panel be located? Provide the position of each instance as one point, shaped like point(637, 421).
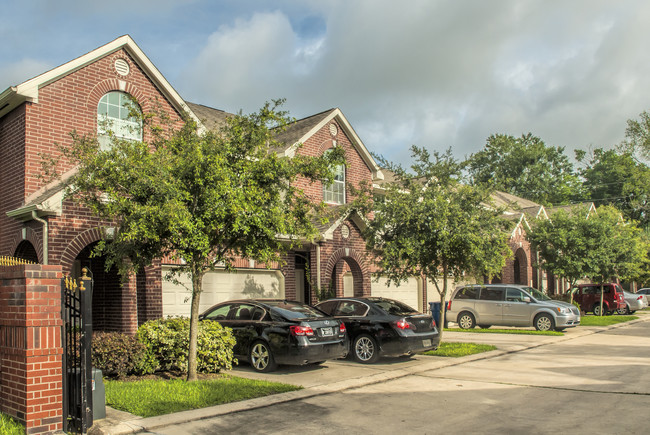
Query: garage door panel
point(409, 292)
point(220, 286)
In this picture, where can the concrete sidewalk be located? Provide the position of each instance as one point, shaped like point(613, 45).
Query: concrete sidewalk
point(334, 376)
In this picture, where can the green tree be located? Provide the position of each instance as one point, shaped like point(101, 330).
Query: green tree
point(203, 197)
point(561, 243)
point(429, 223)
point(637, 134)
point(601, 247)
point(615, 177)
point(525, 167)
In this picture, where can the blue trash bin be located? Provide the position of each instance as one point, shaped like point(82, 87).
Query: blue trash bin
point(434, 307)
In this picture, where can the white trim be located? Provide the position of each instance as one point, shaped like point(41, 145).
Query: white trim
point(28, 90)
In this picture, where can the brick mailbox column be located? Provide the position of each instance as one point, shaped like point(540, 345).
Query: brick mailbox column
point(30, 346)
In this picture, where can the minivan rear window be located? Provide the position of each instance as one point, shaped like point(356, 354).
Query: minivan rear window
point(467, 293)
point(492, 294)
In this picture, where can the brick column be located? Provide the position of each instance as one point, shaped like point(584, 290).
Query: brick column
point(30, 346)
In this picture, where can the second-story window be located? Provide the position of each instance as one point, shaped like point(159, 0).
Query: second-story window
point(118, 114)
point(335, 192)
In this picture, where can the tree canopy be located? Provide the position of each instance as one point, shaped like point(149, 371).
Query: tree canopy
point(202, 197)
point(615, 177)
point(600, 247)
point(525, 167)
point(429, 223)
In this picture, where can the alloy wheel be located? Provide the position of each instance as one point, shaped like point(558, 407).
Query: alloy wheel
point(364, 348)
point(260, 356)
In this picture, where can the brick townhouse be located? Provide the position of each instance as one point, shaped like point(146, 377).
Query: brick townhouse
point(38, 223)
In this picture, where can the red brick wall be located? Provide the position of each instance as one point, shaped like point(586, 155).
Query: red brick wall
point(356, 169)
point(12, 162)
point(30, 346)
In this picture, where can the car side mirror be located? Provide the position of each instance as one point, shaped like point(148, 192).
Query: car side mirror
point(527, 299)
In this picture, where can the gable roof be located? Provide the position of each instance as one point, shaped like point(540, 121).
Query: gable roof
point(301, 130)
point(13, 96)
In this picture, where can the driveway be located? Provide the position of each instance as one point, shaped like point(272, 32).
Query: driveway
point(585, 382)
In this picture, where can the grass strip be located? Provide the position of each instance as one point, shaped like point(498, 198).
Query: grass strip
point(605, 320)
point(457, 350)
point(505, 331)
point(148, 398)
point(9, 426)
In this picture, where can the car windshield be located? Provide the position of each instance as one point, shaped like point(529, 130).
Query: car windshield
point(293, 311)
point(394, 307)
point(537, 294)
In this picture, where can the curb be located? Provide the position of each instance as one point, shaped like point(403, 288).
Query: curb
point(139, 424)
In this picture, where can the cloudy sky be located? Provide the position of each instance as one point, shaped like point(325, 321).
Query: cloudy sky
point(436, 74)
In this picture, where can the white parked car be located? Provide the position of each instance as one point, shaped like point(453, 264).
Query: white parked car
point(633, 302)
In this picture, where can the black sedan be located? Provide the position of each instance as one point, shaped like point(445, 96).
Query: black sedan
point(379, 326)
point(271, 332)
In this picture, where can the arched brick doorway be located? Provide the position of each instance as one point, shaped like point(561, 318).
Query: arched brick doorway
point(520, 266)
point(344, 262)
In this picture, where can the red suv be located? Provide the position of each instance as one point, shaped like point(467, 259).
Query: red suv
point(588, 296)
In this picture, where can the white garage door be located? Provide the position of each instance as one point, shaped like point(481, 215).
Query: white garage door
point(409, 292)
point(220, 286)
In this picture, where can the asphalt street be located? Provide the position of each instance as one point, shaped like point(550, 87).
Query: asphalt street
point(594, 383)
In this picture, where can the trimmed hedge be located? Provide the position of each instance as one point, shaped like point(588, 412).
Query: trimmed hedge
point(167, 341)
point(117, 354)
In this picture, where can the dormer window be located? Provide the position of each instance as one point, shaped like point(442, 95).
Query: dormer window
point(119, 114)
point(335, 192)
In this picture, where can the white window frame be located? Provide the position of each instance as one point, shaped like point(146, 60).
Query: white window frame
point(114, 117)
point(335, 192)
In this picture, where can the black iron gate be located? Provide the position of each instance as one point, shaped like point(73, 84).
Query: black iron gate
point(76, 312)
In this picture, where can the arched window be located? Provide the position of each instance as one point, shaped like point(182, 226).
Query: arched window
point(335, 192)
point(119, 114)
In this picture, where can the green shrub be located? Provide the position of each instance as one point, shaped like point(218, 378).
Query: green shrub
point(117, 354)
point(167, 340)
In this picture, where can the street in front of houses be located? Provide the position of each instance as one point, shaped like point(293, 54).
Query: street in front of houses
point(592, 381)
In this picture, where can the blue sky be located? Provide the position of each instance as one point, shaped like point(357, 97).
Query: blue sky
point(436, 74)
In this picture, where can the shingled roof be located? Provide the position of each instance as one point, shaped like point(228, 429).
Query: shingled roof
point(213, 119)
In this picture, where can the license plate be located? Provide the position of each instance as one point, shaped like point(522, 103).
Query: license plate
point(426, 343)
point(326, 332)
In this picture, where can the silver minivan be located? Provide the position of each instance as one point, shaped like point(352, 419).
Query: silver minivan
point(509, 305)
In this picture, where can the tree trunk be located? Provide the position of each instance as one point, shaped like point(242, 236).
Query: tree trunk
point(197, 281)
point(602, 293)
point(443, 302)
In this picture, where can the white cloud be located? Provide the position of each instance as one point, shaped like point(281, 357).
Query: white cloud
point(18, 72)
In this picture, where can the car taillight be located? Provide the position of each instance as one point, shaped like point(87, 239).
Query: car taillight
point(433, 323)
point(449, 306)
point(639, 298)
point(342, 327)
point(301, 330)
point(402, 324)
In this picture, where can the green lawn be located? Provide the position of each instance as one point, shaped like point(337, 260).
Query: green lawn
point(456, 350)
point(148, 398)
point(604, 320)
point(9, 426)
point(505, 331)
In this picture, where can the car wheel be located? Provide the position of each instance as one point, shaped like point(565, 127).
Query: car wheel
point(596, 310)
point(484, 326)
point(365, 349)
point(261, 357)
point(544, 322)
point(623, 311)
point(466, 320)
